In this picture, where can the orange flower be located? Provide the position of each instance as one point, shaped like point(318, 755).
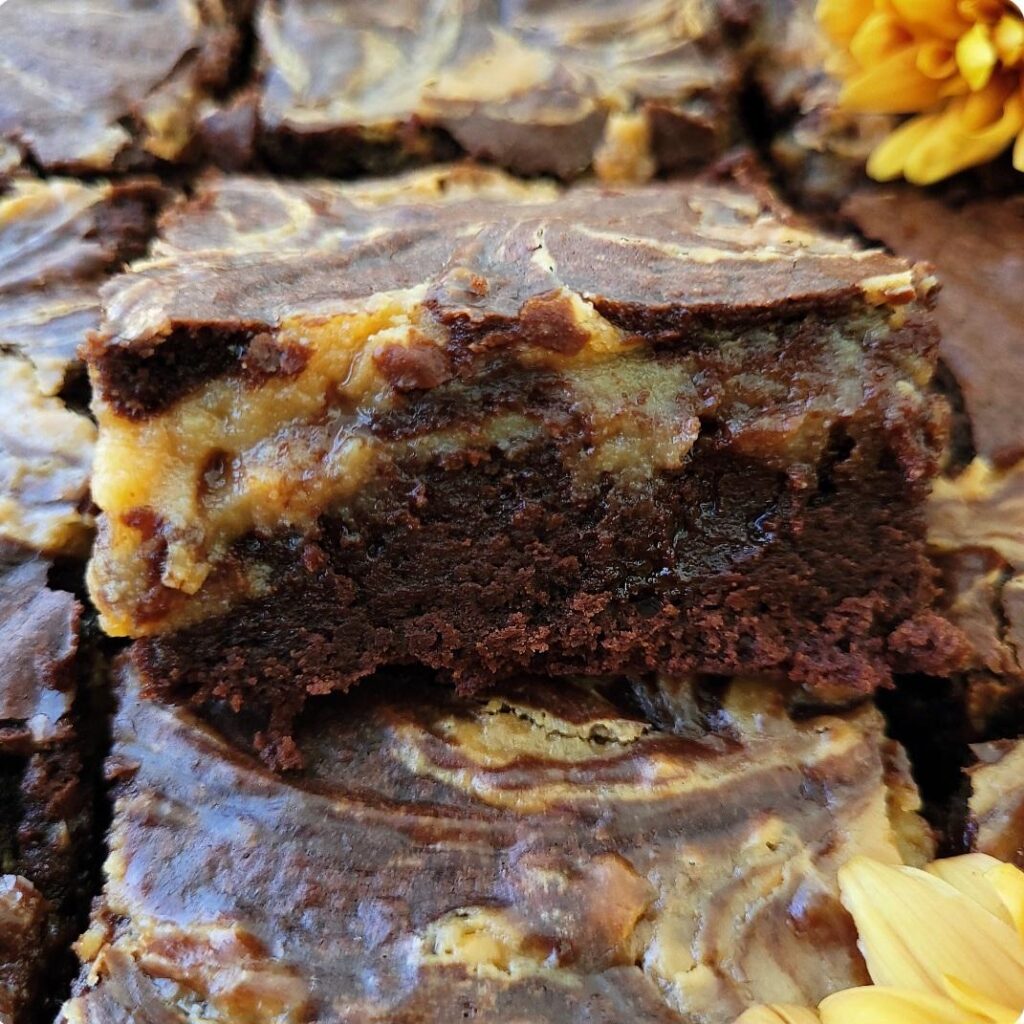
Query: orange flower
point(957, 66)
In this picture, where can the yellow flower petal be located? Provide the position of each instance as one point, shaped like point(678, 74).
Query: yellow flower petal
point(916, 929)
point(941, 16)
point(879, 37)
point(954, 144)
point(1009, 39)
point(891, 1006)
point(980, 10)
point(967, 874)
point(778, 1015)
point(1008, 882)
point(1018, 152)
point(936, 59)
point(978, 1004)
point(889, 157)
point(893, 86)
point(841, 18)
point(976, 56)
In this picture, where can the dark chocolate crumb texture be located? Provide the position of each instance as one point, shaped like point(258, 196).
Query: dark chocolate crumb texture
point(536, 854)
point(45, 799)
point(493, 428)
point(625, 89)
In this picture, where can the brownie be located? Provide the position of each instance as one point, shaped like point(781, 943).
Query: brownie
point(45, 792)
point(976, 512)
point(539, 87)
point(110, 85)
point(59, 240)
point(997, 799)
point(594, 431)
point(656, 853)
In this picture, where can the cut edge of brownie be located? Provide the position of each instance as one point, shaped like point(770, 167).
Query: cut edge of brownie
point(469, 390)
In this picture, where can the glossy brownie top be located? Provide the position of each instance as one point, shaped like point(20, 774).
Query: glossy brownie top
point(491, 267)
point(103, 85)
point(38, 644)
point(537, 87)
point(58, 240)
point(537, 854)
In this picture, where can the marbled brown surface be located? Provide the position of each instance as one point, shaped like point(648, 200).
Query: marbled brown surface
point(45, 791)
point(534, 86)
point(59, 240)
point(109, 85)
point(997, 799)
point(534, 855)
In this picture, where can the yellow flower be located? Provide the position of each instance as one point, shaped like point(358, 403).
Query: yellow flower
point(943, 946)
point(957, 66)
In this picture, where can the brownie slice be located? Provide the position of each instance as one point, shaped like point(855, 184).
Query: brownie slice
point(574, 854)
point(109, 85)
point(59, 240)
point(538, 87)
point(664, 429)
point(996, 804)
point(976, 512)
point(45, 792)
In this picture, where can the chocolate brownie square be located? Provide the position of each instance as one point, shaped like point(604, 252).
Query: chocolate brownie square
point(626, 89)
point(59, 240)
point(500, 430)
point(658, 853)
point(976, 511)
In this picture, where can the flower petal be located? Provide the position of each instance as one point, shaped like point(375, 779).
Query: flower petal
point(915, 929)
point(892, 86)
point(778, 1015)
point(977, 1003)
point(1009, 39)
point(892, 1006)
point(841, 18)
point(1008, 882)
point(941, 16)
point(891, 154)
point(936, 59)
point(1018, 152)
point(879, 37)
point(967, 873)
point(976, 56)
point(955, 143)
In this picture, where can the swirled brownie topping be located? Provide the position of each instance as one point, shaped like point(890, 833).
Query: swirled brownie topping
point(109, 85)
point(534, 854)
point(539, 88)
